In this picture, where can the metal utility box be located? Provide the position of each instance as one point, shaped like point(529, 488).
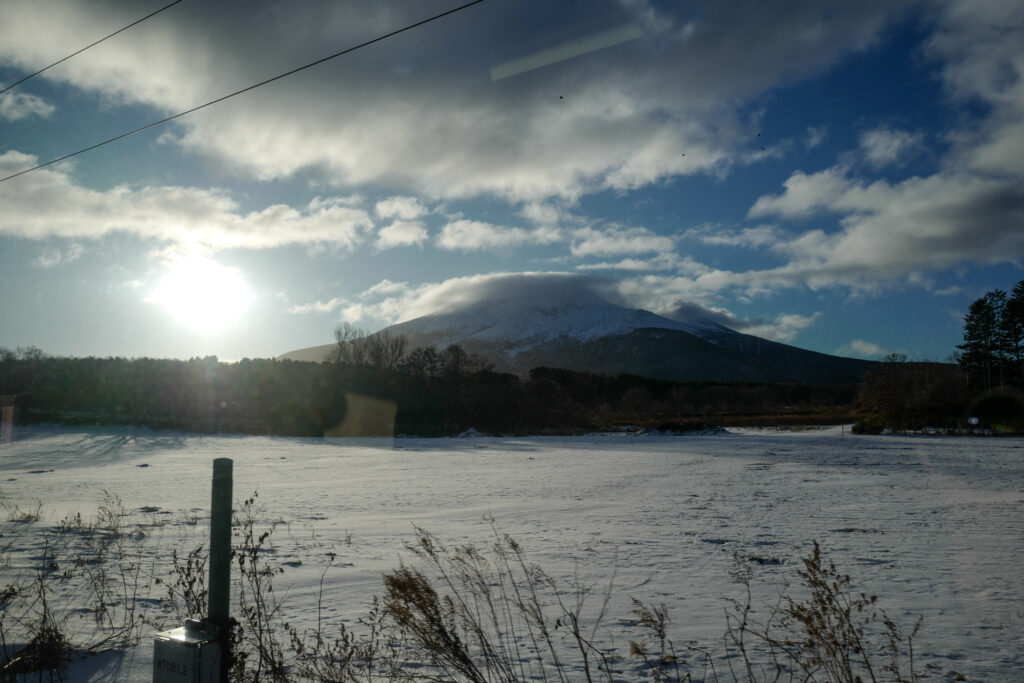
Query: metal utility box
point(186, 655)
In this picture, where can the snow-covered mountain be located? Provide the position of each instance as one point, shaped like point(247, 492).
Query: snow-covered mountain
point(580, 330)
point(515, 325)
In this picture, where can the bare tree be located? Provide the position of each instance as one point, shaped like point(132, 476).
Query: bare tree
point(393, 349)
point(350, 348)
point(356, 346)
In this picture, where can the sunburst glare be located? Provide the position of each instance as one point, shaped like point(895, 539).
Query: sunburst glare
point(202, 294)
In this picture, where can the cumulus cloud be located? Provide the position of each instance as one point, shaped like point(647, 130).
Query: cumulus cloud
point(401, 234)
point(320, 306)
point(784, 327)
point(404, 116)
point(17, 106)
point(891, 231)
point(804, 195)
point(668, 261)
point(53, 256)
point(389, 302)
point(385, 287)
point(48, 203)
point(402, 208)
point(862, 349)
point(543, 214)
point(885, 146)
point(815, 136)
point(979, 48)
point(550, 217)
point(615, 240)
point(694, 282)
point(970, 210)
point(467, 235)
point(752, 238)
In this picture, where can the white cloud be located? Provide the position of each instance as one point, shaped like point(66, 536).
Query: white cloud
point(385, 287)
point(613, 241)
point(893, 231)
point(550, 216)
point(753, 238)
point(815, 136)
point(52, 257)
point(406, 118)
point(48, 203)
point(669, 261)
point(353, 201)
point(783, 328)
point(467, 235)
point(400, 234)
point(663, 293)
point(979, 47)
point(402, 208)
point(885, 146)
point(320, 306)
point(861, 348)
point(970, 210)
point(542, 214)
point(17, 106)
point(804, 195)
point(772, 152)
point(387, 302)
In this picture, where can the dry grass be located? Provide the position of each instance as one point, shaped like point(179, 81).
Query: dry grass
point(475, 613)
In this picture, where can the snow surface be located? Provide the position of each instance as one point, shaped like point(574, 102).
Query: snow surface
point(931, 525)
point(519, 325)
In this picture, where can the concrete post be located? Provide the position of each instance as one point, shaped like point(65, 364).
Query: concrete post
point(200, 651)
point(6, 424)
point(220, 543)
point(219, 596)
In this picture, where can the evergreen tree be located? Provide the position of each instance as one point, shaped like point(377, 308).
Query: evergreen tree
point(1013, 334)
point(984, 340)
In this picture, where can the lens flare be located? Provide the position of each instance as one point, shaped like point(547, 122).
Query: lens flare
point(202, 294)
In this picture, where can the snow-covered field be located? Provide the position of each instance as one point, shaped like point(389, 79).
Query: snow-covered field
point(933, 526)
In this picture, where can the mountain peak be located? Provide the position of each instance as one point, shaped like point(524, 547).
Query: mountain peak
point(521, 317)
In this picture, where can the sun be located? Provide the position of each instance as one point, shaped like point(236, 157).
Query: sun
point(202, 294)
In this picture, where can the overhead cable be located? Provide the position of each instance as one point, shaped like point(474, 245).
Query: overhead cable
point(243, 90)
point(125, 28)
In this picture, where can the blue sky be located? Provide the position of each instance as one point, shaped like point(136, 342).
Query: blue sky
point(844, 177)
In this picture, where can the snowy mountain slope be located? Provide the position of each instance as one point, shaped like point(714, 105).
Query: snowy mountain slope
point(517, 326)
point(680, 356)
point(589, 334)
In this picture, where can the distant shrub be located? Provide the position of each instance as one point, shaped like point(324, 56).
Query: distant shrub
point(999, 407)
point(872, 424)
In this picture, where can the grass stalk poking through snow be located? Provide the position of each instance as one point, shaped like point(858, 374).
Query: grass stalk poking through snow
point(450, 612)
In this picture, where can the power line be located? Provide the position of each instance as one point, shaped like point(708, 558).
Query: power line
point(151, 14)
point(246, 89)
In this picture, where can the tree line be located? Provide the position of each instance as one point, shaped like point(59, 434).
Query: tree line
point(374, 385)
point(992, 353)
point(986, 383)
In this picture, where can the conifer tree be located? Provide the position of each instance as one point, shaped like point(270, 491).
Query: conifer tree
point(984, 341)
point(1013, 334)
